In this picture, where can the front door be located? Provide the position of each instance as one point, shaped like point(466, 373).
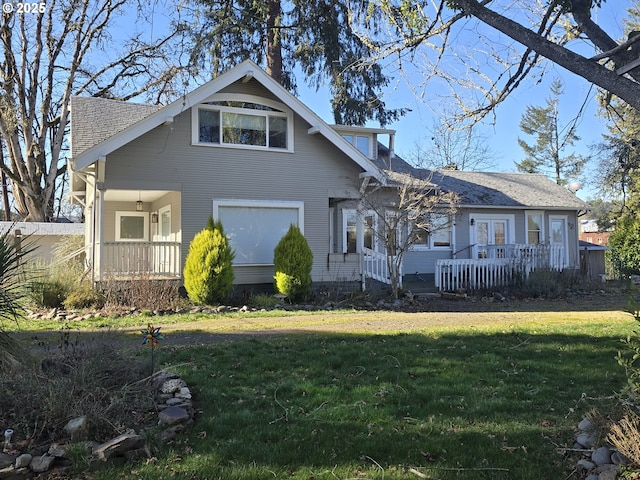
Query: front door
point(558, 240)
point(490, 235)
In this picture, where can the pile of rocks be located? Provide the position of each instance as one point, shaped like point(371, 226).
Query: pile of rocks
point(175, 412)
point(599, 462)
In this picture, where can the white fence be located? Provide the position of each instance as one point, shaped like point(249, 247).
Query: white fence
point(500, 266)
point(376, 266)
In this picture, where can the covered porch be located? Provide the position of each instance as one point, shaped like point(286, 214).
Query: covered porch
point(136, 234)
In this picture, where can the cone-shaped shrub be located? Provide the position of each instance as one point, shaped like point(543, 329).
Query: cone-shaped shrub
point(293, 260)
point(208, 269)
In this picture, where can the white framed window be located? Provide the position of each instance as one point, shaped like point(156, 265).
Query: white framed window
point(242, 121)
point(350, 230)
point(361, 142)
point(254, 227)
point(438, 235)
point(535, 227)
point(132, 226)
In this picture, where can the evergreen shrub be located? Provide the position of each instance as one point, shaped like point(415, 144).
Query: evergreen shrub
point(208, 269)
point(293, 261)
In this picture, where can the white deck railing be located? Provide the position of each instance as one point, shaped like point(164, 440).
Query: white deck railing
point(155, 259)
point(376, 266)
point(500, 265)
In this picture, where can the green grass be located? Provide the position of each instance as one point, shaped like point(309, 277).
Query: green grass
point(486, 397)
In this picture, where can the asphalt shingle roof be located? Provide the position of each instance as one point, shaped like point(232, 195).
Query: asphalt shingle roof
point(495, 189)
point(96, 119)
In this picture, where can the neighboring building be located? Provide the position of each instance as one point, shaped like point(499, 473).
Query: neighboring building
point(43, 236)
point(243, 149)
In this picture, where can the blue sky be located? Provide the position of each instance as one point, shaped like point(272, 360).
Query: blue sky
point(502, 136)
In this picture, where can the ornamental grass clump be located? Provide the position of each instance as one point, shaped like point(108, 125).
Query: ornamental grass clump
point(208, 269)
point(293, 260)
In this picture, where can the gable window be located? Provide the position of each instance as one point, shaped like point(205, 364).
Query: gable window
point(437, 234)
point(132, 226)
point(246, 121)
point(254, 227)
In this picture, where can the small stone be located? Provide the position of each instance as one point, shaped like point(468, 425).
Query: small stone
point(56, 451)
point(77, 429)
point(173, 401)
point(585, 425)
point(41, 463)
point(173, 415)
point(23, 460)
point(184, 393)
point(610, 473)
point(5, 460)
point(601, 456)
point(618, 458)
point(171, 386)
point(586, 465)
point(587, 440)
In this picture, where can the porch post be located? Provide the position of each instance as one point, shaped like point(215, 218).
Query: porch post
point(360, 242)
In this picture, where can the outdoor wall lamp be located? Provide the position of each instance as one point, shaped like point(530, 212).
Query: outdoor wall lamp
point(154, 217)
point(473, 222)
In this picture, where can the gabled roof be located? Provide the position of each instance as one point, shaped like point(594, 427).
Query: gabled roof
point(136, 123)
point(487, 189)
point(101, 118)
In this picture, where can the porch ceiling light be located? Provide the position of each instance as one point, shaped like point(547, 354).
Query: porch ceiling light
point(139, 204)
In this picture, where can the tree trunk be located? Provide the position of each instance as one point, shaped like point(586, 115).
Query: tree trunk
point(274, 45)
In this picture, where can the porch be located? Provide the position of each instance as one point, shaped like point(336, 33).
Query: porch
point(126, 260)
point(499, 265)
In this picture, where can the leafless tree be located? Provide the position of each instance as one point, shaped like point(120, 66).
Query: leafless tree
point(409, 209)
point(480, 51)
point(457, 147)
point(60, 48)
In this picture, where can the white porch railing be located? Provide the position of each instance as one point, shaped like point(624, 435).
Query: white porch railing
point(155, 259)
point(376, 266)
point(499, 266)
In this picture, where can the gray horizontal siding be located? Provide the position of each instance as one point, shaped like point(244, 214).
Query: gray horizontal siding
point(165, 158)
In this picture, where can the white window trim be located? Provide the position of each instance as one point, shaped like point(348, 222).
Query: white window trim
point(510, 219)
point(526, 225)
point(145, 215)
point(565, 219)
point(223, 97)
point(422, 247)
point(360, 215)
point(217, 203)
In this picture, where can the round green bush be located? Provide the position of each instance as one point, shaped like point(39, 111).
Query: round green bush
point(208, 269)
point(293, 261)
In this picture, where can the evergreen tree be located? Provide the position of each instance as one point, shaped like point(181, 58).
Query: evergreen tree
point(551, 139)
point(208, 269)
point(311, 36)
point(293, 261)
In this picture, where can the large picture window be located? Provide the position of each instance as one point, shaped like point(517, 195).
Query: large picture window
point(132, 226)
point(254, 228)
point(245, 121)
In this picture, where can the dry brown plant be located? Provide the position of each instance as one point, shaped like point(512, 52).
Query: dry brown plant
point(625, 436)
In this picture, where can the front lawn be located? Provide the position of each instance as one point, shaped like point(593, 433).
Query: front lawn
point(488, 397)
